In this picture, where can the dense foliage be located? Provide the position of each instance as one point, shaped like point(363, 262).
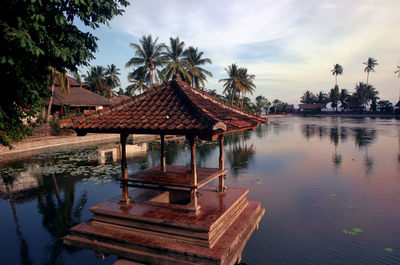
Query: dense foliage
point(37, 35)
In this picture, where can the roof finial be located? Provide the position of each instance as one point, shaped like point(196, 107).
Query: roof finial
point(176, 77)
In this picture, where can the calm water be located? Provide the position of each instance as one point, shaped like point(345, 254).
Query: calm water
point(331, 187)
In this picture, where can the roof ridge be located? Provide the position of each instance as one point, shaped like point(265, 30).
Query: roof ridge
point(217, 123)
point(236, 109)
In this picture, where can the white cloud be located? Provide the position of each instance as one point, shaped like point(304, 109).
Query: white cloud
point(309, 37)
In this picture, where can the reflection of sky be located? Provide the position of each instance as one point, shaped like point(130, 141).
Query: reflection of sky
point(309, 200)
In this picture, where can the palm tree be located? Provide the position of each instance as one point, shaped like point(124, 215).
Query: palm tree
point(337, 70)
point(247, 85)
point(198, 74)
point(96, 79)
point(175, 61)
point(232, 83)
point(63, 83)
point(148, 57)
point(398, 71)
point(370, 65)
point(343, 97)
point(112, 76)
point(321, 97)
point(364, 93)
point(308, 97)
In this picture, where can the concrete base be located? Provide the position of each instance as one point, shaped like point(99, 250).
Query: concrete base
point(157, 234)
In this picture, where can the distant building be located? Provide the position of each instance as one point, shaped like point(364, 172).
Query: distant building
point(79, 100)
point(290, 108)
point(315, 107)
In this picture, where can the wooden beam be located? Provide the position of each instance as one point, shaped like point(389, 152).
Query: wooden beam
point(221, 182)
point(193, 169)
point(124, 169)
point(162, 155)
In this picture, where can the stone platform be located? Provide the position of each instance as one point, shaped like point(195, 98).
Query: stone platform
point(152, 232)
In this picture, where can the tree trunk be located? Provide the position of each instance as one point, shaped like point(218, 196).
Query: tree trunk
point(367, 77)
point(53, 86)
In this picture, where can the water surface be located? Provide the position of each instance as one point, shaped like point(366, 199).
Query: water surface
point(331, 188)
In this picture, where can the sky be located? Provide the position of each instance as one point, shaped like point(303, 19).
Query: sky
point(291, 46)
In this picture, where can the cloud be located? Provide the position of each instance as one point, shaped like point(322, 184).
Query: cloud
point(295, 41)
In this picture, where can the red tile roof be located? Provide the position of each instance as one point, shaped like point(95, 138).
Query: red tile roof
point(171, 108)
point(312, 106)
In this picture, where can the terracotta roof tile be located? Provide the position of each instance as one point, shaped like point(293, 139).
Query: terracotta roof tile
point(171, 107)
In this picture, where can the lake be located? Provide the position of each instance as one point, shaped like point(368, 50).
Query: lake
point(330, 186)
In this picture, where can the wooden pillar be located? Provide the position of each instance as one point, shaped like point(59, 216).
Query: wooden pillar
point(193, 170)
point(193, 174)
point(162, 155)
point(124, 170)
point(221, 183)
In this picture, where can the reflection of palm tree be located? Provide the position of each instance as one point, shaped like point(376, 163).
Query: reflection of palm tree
point(239, 153)
point(364, 138)
point(204, 150)
point(58, 216)
point(24, 252)
point(337, 158)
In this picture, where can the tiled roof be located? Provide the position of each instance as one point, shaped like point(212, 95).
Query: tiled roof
point(118, 99)
point(171, 108)
point(79, 97)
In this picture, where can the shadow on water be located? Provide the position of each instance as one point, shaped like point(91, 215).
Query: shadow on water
point(239, 152)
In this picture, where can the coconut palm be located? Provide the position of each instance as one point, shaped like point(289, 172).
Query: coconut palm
point(343, 97)
point(96, 79)
point(175, 61)
point(232, 84)
point(147, 57)
point(197, 73)
point(334, 97)
point(112, 76)
point(308, 97)
point(321, 97)
point(370, 65)
point(337, 70)
point(247, 85)
point(364, 93)
point(63, 83)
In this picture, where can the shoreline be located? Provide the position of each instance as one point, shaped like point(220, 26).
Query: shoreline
point(339, 114)
point(37, 145)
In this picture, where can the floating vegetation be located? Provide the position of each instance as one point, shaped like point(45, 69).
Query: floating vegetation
point(353, 231)
point(97, 180)
point(351, 206)
point(388, 249)
point(259, 181)
point(332, 195)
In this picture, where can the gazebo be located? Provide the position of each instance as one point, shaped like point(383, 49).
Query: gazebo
point(179, 219)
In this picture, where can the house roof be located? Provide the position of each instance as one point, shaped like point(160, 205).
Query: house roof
point(78, 97)
point(312, 106)
point(118, 99)
point(171, 108)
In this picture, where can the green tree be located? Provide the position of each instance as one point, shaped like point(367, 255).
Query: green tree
point(344, 96)
point(195, 61)
point(262, 103)
point(370, 65)
point(365, 93)
point(112, 77)
point(308, 97)
point(321, 97)
point(247, 84)
point(37, 35)
point(148, 56)
point(62, 79)
point(337, 70)
point(96, 79)
point(334, 97)
point(232, 84)
point(175, 61)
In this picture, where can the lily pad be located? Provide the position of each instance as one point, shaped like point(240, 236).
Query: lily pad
point(389, 249)
point(259, 181)
point(357, 230)
point(351, 206)
point(332, 195)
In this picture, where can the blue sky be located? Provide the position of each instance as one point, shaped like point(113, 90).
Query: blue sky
point(290, 46)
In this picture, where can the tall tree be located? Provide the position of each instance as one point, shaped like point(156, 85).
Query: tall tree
point(139, 78)
point(308, 97)
point(112, 76)
point(195, 61)
point(247, 84)
point(232, 84)
point(61, 78)
point(398, 75)
point(148, 56)
point(370, 66)
point(337, 70)
point(96, 79)
point(321, 97)
point(343, 97)
point(175, 61)
point(334, 96)
point(365, 93)
point(37, 35)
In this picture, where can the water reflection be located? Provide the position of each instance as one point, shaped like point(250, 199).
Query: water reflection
point(239, 152)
